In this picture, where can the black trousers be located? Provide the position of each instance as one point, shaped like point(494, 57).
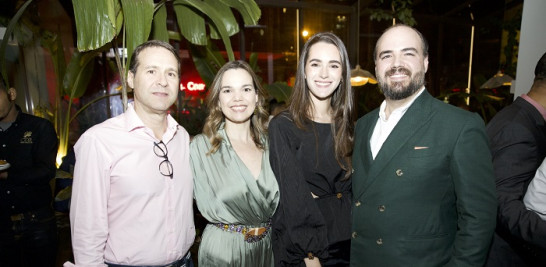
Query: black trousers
point(30, 241)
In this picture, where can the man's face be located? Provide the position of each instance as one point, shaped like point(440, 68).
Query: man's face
point(5, 104)
point(400, 65)
point(156, 81)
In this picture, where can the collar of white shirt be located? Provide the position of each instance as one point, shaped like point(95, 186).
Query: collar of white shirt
point(384, 126)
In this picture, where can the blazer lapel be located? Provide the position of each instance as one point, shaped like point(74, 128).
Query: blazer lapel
point(364, 156)
point(418, 114)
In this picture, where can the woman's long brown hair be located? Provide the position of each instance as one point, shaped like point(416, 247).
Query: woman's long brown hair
point(258, 121)
point(301, 107)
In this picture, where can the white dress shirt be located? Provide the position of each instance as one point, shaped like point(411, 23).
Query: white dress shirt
point(384, 126)
point(535, 197)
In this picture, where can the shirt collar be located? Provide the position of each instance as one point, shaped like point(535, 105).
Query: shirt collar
point(535, 104)
point(401, 109)
point(133, 122)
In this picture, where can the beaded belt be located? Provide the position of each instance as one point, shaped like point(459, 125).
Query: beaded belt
point(251, 234)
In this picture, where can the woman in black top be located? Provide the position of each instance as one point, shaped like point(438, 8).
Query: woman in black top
point(310, 153)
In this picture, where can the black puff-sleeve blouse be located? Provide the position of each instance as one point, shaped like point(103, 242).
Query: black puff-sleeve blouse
point(303, 162)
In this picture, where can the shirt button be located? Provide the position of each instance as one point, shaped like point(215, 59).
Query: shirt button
point(13, 207)
point(339, 195)
point(379, 241)
point(353, 235)
point(381, 208)
point(8, 192)
point(399, 172)
point(357, 203)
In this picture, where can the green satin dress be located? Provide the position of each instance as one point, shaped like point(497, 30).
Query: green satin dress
point(226, 192)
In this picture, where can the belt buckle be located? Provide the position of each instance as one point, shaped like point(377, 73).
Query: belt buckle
point(254, 232)
point(17, 217)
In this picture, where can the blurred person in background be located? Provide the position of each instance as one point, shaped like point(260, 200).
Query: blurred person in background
point(28, 149)
point(517, 137)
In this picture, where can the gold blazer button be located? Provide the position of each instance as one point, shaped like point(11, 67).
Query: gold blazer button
point(399, 172)
point(357, 203)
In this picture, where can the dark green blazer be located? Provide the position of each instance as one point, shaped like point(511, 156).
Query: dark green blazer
point(428, 198)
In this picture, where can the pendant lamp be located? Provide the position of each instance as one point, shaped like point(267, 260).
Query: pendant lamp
point(359, 76)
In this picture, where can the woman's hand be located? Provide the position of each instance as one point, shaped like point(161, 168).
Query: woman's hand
point(312, 263)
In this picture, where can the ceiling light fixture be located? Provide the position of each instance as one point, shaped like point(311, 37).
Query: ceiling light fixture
point(359, 76)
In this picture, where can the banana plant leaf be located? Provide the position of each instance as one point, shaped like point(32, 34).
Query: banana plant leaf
point(207, 61)
point(9, 30)
point(191, 24)
point(159, 27)
point(249, 10)
point(53, 43)
point(97, 22)
point(253, 62)
point(225, 19)
point(222, 19)
point(138, 16)
point(79, 73)
point(279, 90)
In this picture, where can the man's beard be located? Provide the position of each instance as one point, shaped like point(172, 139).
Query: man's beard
point(397, 91)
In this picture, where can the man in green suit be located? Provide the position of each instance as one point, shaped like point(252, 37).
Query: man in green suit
point(423, 184)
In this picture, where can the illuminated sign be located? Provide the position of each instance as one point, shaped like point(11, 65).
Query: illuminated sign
point(191, 86)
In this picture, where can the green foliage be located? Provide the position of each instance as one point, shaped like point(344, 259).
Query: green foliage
point(511, 49)
point(135, 17)
point(279, 90)
point(159, 27)
point(9, 30)
point(97, 22)
point(138, 15)
point(80, 72)
point(207, 60)
point(101, 24)
point(193, 113)
point(400, 10)
point(72, 81)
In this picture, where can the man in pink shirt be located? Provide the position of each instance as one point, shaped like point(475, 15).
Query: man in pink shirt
point(132, 192)
point(517, 137)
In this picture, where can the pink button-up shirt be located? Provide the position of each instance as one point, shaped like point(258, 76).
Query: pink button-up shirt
point(123, 209)
point(535, 104)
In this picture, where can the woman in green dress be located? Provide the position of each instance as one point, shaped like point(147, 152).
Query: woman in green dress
point(234, 186)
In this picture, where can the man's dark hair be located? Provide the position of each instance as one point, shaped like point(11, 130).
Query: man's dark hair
point(540, 69)
point(152, 43)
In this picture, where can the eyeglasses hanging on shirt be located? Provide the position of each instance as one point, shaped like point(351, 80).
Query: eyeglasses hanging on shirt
point(165, 167)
